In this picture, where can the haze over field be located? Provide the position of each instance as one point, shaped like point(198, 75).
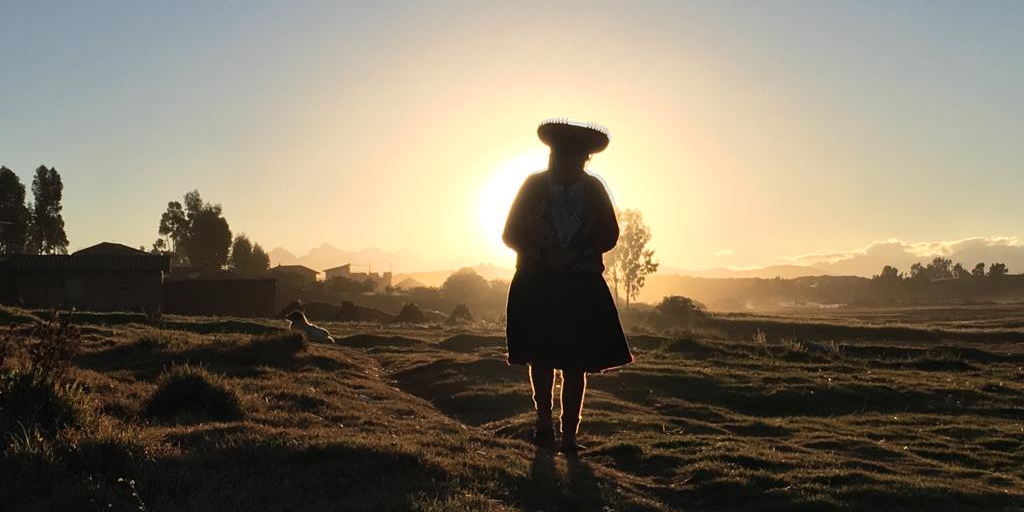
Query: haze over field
point(864, 262)
point(750, 135)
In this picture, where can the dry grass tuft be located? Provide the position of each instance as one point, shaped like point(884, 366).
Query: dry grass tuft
point(188, 393)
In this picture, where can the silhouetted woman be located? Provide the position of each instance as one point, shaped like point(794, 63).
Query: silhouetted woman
point(560, 313)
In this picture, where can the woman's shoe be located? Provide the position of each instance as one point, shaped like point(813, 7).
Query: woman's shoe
point(568, 445)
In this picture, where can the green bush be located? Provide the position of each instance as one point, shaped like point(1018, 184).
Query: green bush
point(184, 392)
point(29, 399)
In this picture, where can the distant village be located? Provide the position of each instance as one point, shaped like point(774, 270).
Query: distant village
point(198, 267)
point(112, 276)
point(195, 267)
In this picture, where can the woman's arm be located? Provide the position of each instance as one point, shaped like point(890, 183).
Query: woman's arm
point(525, 230)
point(602, 230)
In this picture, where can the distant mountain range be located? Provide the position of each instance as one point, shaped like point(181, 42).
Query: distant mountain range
point(326, 256)
point(669, 281)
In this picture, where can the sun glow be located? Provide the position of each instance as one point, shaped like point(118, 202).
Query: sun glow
point(497, 195)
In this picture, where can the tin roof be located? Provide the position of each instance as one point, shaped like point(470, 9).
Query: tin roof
point(90, 263)
point(108, 248)
point(293, 268)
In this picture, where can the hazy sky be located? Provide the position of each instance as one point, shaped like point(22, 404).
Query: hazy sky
point(745, 132)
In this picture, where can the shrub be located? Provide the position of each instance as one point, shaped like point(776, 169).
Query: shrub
point(57, 342)
point(30, 399)
point(160, 341)
point(349, 312)
point(188, 391)
point(676, 312)
point(459, 315)
point(410, 314)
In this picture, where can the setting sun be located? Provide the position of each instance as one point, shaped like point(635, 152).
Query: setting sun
point(497, 194)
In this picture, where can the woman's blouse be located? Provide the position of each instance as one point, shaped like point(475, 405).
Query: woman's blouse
point(543, 214)
point(566, 209)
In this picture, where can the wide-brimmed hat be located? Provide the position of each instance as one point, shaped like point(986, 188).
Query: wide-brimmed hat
point(573, 136)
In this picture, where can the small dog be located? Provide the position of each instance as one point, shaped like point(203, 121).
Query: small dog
point(312, 332)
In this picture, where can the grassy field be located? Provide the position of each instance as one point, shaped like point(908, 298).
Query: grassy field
point(747, 413)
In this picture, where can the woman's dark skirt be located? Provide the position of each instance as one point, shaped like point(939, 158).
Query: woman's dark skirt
point(565, 321)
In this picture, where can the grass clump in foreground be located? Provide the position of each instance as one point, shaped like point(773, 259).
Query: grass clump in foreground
point(279, 346)
point(36, 393)
point(185, 391)
point(31, 400)
point(158, 341)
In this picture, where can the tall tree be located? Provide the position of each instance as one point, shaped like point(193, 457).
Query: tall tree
point(209, 242)
point(14, 215)
point(174, 228)
point(940, 268)
point(194, 206)
point(630, 262)
point(979, 270)
point(889, 273)
point(612, 271)
point(195, 232)
point(918, 272)
point(260, 258)
point(997, 270)
point(960, 272)
point(46, 233)
point(247, 258)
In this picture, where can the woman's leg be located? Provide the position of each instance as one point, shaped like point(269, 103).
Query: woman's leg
point(574, 386)
point(542, 378)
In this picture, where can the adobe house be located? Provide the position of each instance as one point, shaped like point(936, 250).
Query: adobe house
point(104, 277)
point(294, 273)
point(380, 281)
point(219, 293)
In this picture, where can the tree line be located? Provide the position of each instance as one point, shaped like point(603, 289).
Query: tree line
point(194, 232)
point(32, 227)
point(941, 268)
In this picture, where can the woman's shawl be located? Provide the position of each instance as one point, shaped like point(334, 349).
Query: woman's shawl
point(528, 230)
